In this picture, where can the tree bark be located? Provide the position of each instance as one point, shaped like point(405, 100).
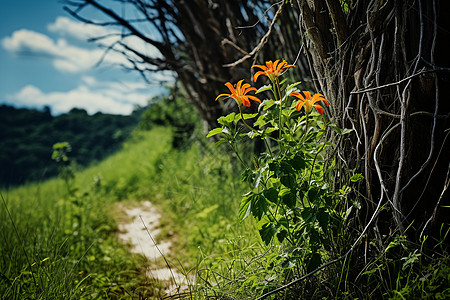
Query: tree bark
point(386, 76)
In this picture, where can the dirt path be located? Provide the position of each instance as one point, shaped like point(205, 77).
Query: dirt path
point(141, 230)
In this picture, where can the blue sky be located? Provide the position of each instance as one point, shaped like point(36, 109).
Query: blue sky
point(45, 60)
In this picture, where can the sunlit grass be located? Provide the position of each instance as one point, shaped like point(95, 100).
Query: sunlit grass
point(60, 245)
point(57, 245)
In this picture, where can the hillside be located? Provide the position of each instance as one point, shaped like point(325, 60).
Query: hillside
point(73, 250)
point(27, 137)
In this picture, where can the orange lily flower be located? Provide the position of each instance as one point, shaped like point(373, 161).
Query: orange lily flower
point(239, 93)
point(271, 70)
point(309, 101)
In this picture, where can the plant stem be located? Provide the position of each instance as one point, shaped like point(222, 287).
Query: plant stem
point(276, 84)
point(253, 129)
point(237, 154)
point(314, 161)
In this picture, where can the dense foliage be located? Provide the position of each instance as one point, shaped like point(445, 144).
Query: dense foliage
point(27, 137)
point(172, 111)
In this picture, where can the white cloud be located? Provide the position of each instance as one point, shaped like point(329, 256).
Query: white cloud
point(92, 94)
point(65, 57)
point(93, 97)
point(89, 80)
point(72, 59)
point(81, 31)
point(27, 41)
point(66, 27)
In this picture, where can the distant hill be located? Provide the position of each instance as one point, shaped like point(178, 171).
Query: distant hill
point(27, 137)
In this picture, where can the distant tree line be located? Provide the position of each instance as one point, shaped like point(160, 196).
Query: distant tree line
point(27, 137)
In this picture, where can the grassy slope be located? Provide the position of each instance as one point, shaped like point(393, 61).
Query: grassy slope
point(56, 245)
point(59, 245)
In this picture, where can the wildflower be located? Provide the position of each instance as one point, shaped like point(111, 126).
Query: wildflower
point(309, 101)
point(271, 70)
point(239, 93)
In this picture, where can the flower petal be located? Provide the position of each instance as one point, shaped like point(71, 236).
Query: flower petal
point(255, 77)
point(299, 105)
point(275, 65)
point(307, 95)
point(288, 66)
point(231, 88)
point(221, 95)
point(317, 97)
point(246, 88)
point(238, 86)
point(298, 95)
point(245, 101)
point(262, 67)
point(253, 98)
point(319, 108)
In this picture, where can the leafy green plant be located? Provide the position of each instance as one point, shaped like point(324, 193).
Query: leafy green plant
point(291, 196)
point(65, 169)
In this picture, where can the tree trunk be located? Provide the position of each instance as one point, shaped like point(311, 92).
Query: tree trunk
point(384, 68)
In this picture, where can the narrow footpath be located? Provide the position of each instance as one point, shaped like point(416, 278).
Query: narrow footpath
point(141, 230)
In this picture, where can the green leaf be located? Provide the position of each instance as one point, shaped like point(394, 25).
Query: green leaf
point(370, 271)
point(291, 86)
point(271, 194)
point(308, 214)
point(267, 230)
point(266, 104)
point(286, 167)
point(204, 213)
point(289, 181)
point(261, 121)
point(356, 177)
point(245, 207)
point(258, 206)
point(410, 259)
point(288, 197)
point(339, 130)
point(346, 130)
point(281, 235)
point(249, 116)
point(269, 130)
point(275, 168)
point(264, 88)
point(221, 141)
point(336, 128)
point(214, 132)
point(314, 194)
point(247, 175)
point(253, 134)
point(227, 120)
point(226, 131)
point(298, 162)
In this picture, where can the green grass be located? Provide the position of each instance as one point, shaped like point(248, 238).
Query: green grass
point(55, 245)
point(60, 245)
